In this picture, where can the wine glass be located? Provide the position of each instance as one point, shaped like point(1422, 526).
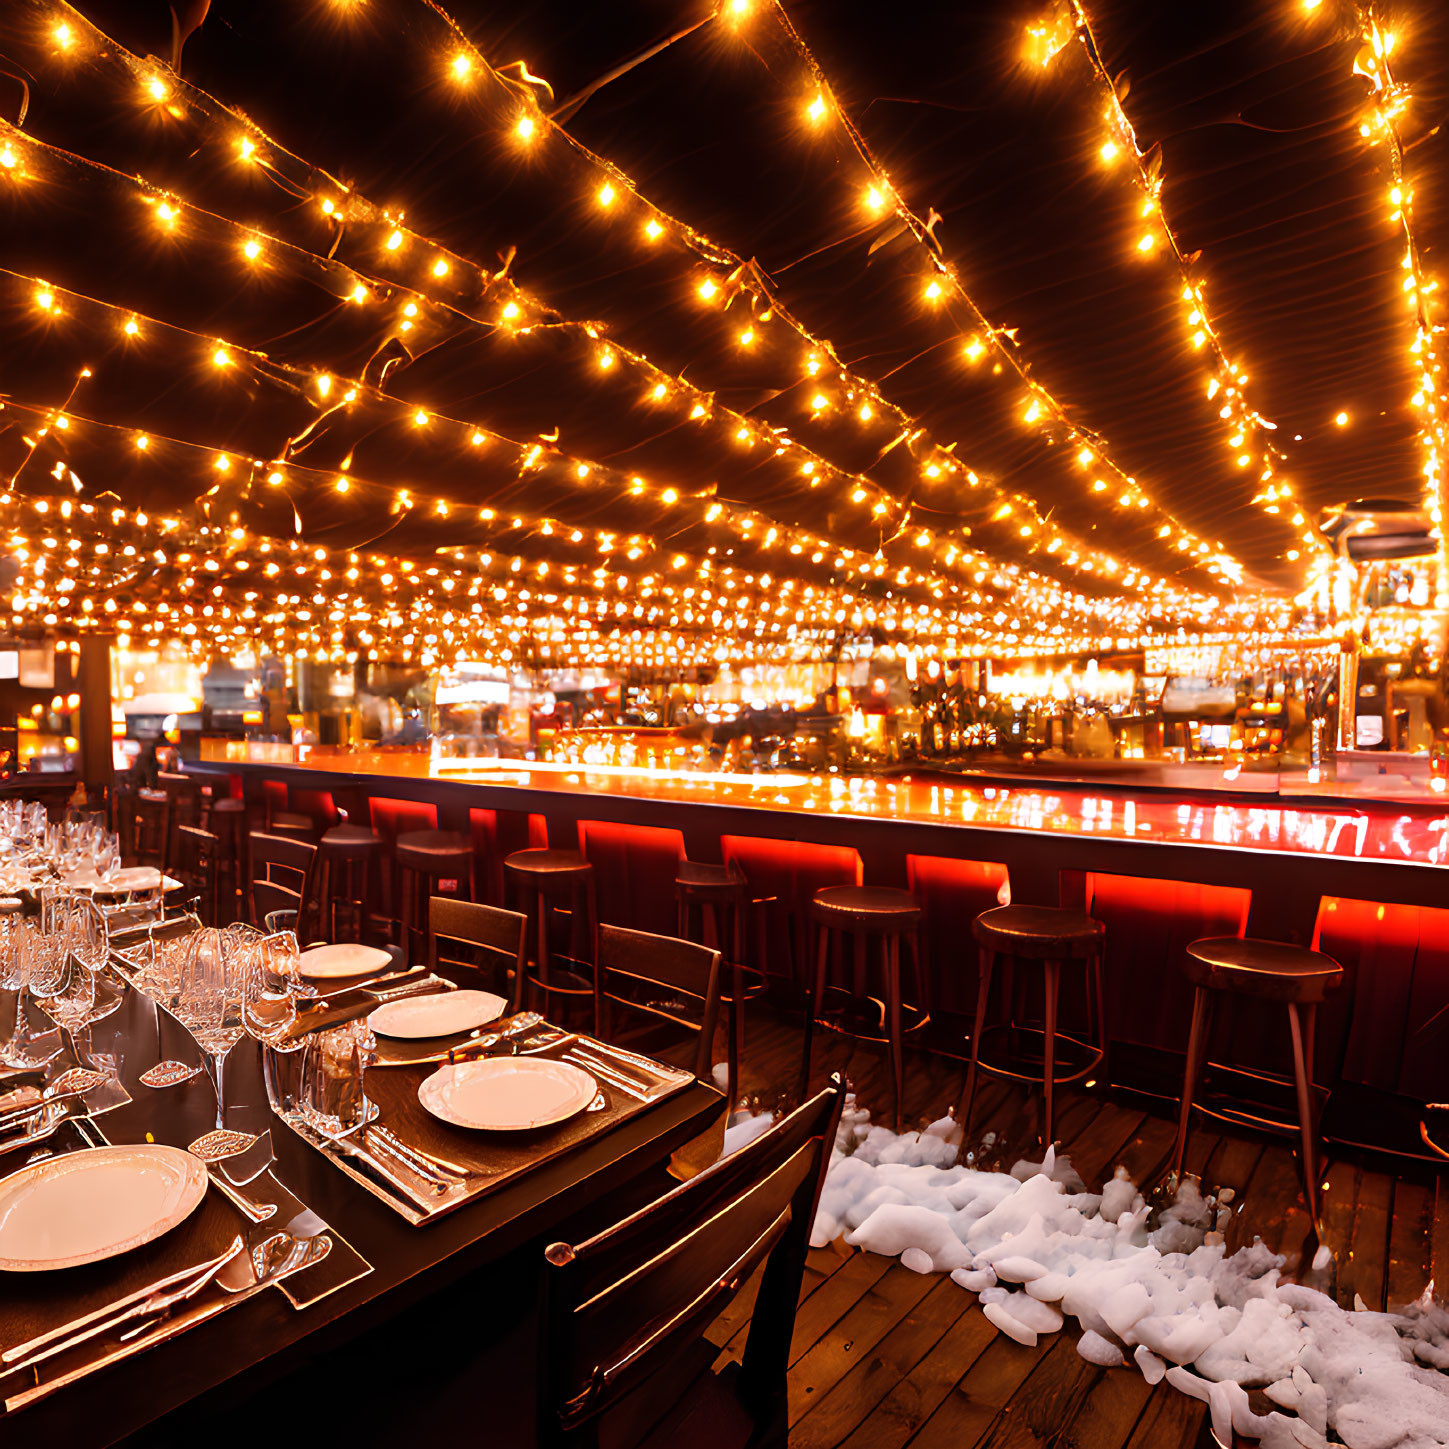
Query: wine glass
point(209, 1004)
point(57, 979)
point(269, 1011)
point(20, 1050)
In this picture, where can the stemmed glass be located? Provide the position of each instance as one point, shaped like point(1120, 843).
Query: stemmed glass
point(269, 1007)
point(209, 1004)
point(16, 933)
point(57, 978)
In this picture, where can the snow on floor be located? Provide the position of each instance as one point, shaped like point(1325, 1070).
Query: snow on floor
point(1037, 1248)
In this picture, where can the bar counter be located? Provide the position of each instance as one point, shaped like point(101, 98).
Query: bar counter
point(1363, 880)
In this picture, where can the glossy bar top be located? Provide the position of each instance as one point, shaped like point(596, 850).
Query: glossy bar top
point(1383, 831)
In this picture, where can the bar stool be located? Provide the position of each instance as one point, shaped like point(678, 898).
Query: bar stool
point(144, 820)
point(1272, 971)
point(720, 894)
point(1051, 936)
point(863, 913)
point(558, 879)
point(227, 820)
point(345, 857)
point(426, 858)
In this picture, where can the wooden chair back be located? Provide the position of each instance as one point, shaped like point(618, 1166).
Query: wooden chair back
point(651, 974)
point(621, 1310)
point(502, 934)
point(280, 877)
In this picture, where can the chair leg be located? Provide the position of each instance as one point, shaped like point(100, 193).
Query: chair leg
point(892, 948)
point(1104, 1075)
point(1202, 1010)
point(1307, 1125)
point(812, 1006)
point(968, 1091)
point(923, 989)
point(1051, 988)
point(736, 1047)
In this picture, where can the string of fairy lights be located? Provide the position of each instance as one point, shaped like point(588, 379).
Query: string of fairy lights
point(249, 149)
point(1389, 99)
point(983, 341)
point(387, 244)
point(650, 598)
point(1248, 432)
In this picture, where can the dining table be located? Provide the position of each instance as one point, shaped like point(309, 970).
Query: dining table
point(423, 1327)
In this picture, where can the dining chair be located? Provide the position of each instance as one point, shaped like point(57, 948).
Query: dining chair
point(665, 978)
point(623, 1359)
point(453, 923)
point(281, 875)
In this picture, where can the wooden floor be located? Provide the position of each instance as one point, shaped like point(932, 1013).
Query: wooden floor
point(884, 1357)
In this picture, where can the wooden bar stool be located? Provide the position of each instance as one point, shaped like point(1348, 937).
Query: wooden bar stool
point(228, 822)
point(548, 880)
point(345, 859)
point(1051, 936)
point(861, 914)
point(425, 859)
point(143, 827)
point(1271, 971)
point(720, 895)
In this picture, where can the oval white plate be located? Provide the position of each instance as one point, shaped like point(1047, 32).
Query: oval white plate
point(443, 1013)
point(86, 1206)
point(507, 1094)
point(346, 958)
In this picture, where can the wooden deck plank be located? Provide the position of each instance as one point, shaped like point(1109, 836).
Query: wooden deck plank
point(912, 1401)
point(1107, 1413)
point(970, 1405)
point(1171, 1420)
point(1411, 1244)
point(1034, 1415)
point(839, 1409)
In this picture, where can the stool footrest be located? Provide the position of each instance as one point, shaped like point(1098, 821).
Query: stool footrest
point(1094, 1054)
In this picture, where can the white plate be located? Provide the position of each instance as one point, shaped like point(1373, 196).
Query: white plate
point(347, 958)
point(507, 1094)
point(442, 1013)
point(86, 1206)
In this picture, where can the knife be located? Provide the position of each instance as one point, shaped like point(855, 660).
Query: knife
point(156, 1301)
point(22, 1350)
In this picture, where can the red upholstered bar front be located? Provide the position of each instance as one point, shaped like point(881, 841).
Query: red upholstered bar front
point(1149, 925)
point(1392, 1034)
point(634, 870)
point(952, 894)
point(791, 871)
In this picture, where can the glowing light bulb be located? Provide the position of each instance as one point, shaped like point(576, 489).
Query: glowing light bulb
point(166, 214)
point(1146, 242)
point(394, 241)
point(1085, 457)
point(440, 268)
point(142, 441)
point(1109, 150)
point(933, 291)
point(874, 199)
point(246, 148)
point(524, 129)
point(606, 195)
point(157, 88)
point(1033, 411)
point(510, 311)
point(708, 288)
point(45, 299)
point(132, 327)
point(816, 110)
point(819, 401)
point(659, 391)
point(1341, 420)
point(221, 358)
point(324, 384)
point(606, 359)
point(253, 250)
point(462, 67)
point(974, 348)
point(670, 495)
point(63, 36)
point(746, 338)
point(342, 485)
point(420, 419)
point(653, 230)
point(358, 293)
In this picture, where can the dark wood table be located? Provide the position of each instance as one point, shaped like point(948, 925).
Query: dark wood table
point(448, 1308)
